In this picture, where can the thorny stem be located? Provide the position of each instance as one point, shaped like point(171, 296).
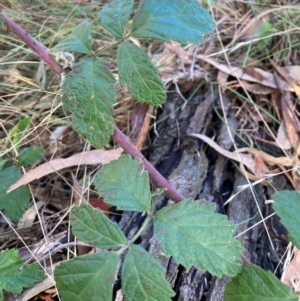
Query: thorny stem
point(36, 46)
point(157, 179)
point(122, 140)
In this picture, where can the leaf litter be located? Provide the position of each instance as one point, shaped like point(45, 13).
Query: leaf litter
point(260, 80)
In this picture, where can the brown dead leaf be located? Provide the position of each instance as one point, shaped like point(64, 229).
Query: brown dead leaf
point(291, 76)
point(222, 80)
point(291, 276)
point(86, 158)
point(256, 88)
point(270, 160)
point(256, 161)
point(294, 74)
point(78, 195)
point(282, 139)
point(291, 120)
point(252, 74)
point(28, 217)
point(245, 159)
point(248, 23)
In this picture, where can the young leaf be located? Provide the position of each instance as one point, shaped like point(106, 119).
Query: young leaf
point(88, 277)
point(89, 94)
point(93, 227)
point(254, 284)
point(143, 277)
point(182, 21)
point(140, 76)
point(18, 132)
point(30, 155)
point(124, 184)
point(115, 15)
point(287, 207)
point(14, 276)
point(80, 40)
point(196, 236)
point(15, 202)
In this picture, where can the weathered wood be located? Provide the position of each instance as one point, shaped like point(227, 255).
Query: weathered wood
point(197, 171)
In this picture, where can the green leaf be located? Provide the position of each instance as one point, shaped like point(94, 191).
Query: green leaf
point(287, 207)
point(92, 226)
point(182, 21)
point(30, 155)
point(124, 184)
point(2, 22)
point(196, 236)
point(80, 40)
point(15, 202)
point(254, 284)
point(88, 277)
point(140, 76)
point(3, 164)
point(89, 94)
point(115, 15)
point(18, 132)
point(14, 277)
point(143, 278)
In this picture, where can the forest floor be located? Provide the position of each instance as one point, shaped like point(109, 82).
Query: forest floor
point(239, 91)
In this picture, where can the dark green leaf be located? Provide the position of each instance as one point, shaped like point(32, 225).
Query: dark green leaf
point(196, 236)
point(88, 277)
point(115, 15)
point(89, 94)
point(14, 276)
point(3, 164)
point(143, 278)
point(181, 20)
point(30, 155)
point(80, 40)
point(287, 207)
point(92, 226)
point(254, 284)
point(124, 184)
point(2, 22)
point(15, 202)
point(140, 76)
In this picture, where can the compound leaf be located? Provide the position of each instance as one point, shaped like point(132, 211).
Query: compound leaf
point(182, 21)
point(89, 94)
point(254, 284)
point(92, 226)
point(115, 15)
point(143, 278)
point(124, 184)
point(14, 276)
point(287, 207)
point(140, 76)
point(15, 202)
point(88, 277)
point(80, 40)
point(30, 155)
point(196, 236)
